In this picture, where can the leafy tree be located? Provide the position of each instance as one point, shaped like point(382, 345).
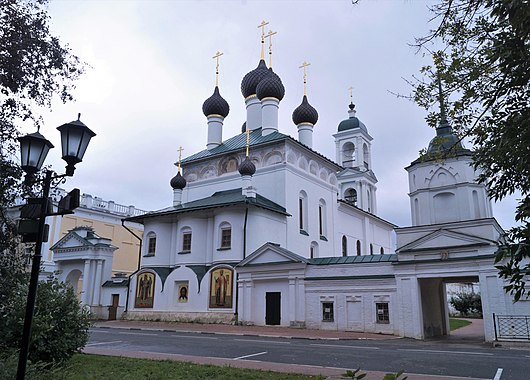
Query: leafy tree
point(34, 69)
point(467, 303)
point(484, 64)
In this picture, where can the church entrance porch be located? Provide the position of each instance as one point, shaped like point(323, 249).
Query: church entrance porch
point(272, 308)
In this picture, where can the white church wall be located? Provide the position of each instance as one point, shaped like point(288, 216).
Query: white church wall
point(265, 226)
point(259, 293)
point(201, 230)
point(163, 234)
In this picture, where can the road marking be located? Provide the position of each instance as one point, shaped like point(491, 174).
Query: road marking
point(249, 356)
point(344, 346)
point(97, 344)
point(445, 352)
point(194, 337)
point(261, 341)
point(498, 374)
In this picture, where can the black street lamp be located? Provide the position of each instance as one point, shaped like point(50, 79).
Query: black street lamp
point(34, 148)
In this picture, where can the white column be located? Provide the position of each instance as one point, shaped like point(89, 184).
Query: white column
point(215, 131)
point(86, 280)
point(97, 284)
point(292, 300)
point(269, 115)
point(241, 305)
point(305, 134)
point(177, 197)
point(248, 301)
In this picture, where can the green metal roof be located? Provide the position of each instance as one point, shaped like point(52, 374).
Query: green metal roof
point(239, 143)
point(354, 259)
point(218, 199)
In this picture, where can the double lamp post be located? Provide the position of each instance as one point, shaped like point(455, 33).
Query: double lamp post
point(34, 148)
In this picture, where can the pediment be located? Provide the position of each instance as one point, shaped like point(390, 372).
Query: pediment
point(71, 240)
point(271, 253)
point(444, 239)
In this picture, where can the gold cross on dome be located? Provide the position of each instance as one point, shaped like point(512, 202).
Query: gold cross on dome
point(304, 65)
point(269, 36)
point(247, 132)
point(180, 157)
point(216, 57)
point(262, 26)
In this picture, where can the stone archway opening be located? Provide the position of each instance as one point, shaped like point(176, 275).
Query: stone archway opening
point(74, 279)
point(437, 310)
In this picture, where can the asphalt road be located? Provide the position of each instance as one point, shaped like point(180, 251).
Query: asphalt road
point(433, 358)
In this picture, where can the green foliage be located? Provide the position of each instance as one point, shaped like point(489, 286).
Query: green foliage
point(355, 374)
point(60, 324)
point(395, 376)
point(467, 303)
point(34, 371)
point(484, 66)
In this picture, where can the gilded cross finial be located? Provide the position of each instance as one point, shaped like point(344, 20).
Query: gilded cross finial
point(180, 158)
point(350, 89)
point(216, 57)
point(269, 36)
point(247, 132)
point(262, 26)
point(304, 65)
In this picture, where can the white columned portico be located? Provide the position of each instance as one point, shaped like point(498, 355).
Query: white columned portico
point(292, 300)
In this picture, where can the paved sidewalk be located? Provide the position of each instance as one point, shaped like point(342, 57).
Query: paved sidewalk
point(263, 331)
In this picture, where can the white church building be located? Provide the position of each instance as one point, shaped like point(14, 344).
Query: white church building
point(265, 230)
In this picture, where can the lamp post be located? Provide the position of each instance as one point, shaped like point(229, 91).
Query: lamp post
point(34, 148)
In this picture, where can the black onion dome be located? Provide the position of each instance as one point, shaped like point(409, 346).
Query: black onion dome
point(178, 182)
point(270, 87)
point(252, 79)
point(215, 105)
point(244, 127)
point(247, 167)
point(305, 113)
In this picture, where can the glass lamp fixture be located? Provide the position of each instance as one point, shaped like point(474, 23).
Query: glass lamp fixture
point(75, 137)
point(33, 151)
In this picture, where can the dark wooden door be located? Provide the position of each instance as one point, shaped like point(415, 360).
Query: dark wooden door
point(272, 308)
point(113, 309)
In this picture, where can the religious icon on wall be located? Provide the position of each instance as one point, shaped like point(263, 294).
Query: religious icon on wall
point(221, 288)
point(183, 292)
point(145, 290)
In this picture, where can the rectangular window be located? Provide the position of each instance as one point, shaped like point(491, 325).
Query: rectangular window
point(301, 212)
point(151, 246)
point(382, 312)
point(226, 238)
point(320, 221)
point(186, 242)
point(327, 312)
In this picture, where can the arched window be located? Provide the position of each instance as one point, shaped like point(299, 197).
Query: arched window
point(366, 156)
point(151, 244)
point(350, 196)
point(302, 211)
point(225, 235)
point(476, 206)
point(382, 251)
point(185, 234)
point(416, 211)
point(371, 249)
point(322, 218)
point(369, 200)
point(358, 248)
point(348, 149)
point(344, 245)
point(313, 250)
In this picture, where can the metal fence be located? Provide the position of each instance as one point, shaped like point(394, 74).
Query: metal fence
point(512, 327)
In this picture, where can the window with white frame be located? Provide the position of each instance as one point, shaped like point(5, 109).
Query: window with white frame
point(358, 248)
point(327, 312)
point(225, 234)
point(322, 219)
point(382, 314)
point(313, 250)
point(186, 239)
point(151, 244)
point(302, 212)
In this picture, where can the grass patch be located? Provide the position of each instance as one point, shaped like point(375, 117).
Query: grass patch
point(109, 367)
point(455, 323)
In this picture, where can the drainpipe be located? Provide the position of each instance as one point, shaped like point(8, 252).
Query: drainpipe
point(139, 258)
point(244, 256)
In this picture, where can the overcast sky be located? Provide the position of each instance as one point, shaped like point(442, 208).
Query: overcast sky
point(152, 68)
